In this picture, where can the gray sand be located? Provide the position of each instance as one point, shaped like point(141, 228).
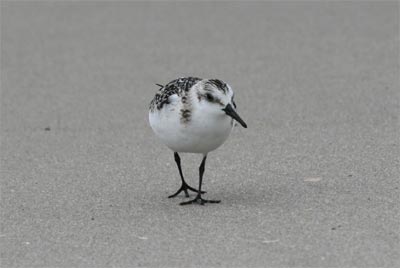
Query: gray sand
point(313, 181)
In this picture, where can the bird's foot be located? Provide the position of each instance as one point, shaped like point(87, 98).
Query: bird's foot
point(199, 200)
point(185, 187)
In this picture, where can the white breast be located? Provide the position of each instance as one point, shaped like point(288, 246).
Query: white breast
point(202, 134)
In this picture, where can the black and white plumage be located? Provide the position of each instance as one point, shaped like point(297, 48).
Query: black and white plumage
point(177, 86)
point(193, 115)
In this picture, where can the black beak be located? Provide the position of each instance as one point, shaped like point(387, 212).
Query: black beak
point(232, 113)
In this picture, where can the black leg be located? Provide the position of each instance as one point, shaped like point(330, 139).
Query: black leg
point(199, 199)
point(184, 187)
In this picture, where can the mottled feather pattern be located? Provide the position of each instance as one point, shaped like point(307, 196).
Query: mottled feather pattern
point(216, 83)
point(178, 86)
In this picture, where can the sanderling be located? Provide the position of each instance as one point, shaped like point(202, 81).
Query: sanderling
point(193, 115)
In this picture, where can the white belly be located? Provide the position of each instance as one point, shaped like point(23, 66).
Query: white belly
point(200, 135)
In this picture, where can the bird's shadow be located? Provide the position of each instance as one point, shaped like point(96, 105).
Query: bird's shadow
point(250, 196)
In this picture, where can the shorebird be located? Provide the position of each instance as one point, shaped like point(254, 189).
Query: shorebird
point(193, 115)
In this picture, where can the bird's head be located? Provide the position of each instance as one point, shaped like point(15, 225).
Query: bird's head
point(217, 97)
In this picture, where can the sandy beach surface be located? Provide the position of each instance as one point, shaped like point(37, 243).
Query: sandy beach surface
point(314, 180)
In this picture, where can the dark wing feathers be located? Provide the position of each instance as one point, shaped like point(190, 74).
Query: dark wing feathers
point(177, 86)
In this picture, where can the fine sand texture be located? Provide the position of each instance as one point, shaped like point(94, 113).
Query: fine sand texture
point(313, 181)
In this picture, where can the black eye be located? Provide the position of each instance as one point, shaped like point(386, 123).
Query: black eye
point(209, 97)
